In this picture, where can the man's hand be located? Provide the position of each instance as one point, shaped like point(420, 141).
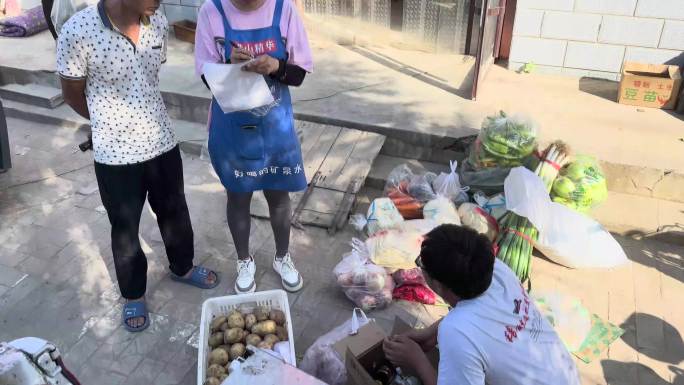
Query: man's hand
point(74, 96)
point(403, 351)
point(239, 55)
point(425, 338)
point(264, 65)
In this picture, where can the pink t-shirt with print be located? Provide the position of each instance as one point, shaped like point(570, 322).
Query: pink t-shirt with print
point(210, 28)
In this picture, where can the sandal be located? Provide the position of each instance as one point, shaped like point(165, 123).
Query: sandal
point(198, 278)
point(132, 310)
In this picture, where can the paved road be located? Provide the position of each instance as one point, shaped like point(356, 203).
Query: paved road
point(57, 279)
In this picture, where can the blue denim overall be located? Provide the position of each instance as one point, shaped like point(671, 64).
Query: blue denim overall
point(257, 149)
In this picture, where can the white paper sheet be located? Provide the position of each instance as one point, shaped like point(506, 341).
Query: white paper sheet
point(235, 89)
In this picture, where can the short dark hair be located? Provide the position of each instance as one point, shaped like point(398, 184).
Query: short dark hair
point(459, 258)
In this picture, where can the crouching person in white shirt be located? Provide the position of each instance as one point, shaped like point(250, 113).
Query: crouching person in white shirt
point(494, 333)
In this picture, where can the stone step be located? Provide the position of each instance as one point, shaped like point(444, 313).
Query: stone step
point(32, 94)
point(642, 181)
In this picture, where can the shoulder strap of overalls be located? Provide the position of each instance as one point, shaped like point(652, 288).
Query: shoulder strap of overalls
point(226, 23)
point(277, 13)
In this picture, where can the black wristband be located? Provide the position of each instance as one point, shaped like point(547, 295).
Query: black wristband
point(280, 73)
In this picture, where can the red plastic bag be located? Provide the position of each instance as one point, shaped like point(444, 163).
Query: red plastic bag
point(415, 293)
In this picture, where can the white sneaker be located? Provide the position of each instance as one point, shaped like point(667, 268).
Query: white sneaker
point(289, 275)
point(244, 283)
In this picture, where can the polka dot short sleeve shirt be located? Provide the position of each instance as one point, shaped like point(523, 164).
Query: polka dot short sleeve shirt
point(127, 113)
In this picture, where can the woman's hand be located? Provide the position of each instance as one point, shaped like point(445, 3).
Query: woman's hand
point(239, 55)
point(264, 65)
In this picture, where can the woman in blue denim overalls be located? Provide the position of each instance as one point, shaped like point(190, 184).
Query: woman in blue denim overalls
point(257, 149)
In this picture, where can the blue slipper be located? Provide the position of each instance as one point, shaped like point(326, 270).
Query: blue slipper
point(133, 310)
point(198, 278)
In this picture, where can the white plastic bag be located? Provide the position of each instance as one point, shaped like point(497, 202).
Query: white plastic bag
point(398, 248)
point(442, 211)
point(383, 215)
point(567, 315)
point(322, 361)
point(368, 285)
point(565, 236)
point(476, 218)
point(449, 185)
point(62, 10)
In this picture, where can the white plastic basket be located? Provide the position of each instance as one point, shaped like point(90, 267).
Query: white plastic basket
point(273, 299)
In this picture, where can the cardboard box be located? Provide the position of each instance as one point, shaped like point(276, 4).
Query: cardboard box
point(650, 85)
point(364, 352)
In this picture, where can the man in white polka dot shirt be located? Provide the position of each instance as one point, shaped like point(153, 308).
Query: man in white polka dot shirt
point(108, 57)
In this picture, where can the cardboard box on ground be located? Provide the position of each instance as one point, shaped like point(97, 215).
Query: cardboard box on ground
point(650, 85)
point(364, 350)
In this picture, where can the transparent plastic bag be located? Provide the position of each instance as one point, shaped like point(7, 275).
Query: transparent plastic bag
point(397, 189)
point(322, 361)
point(62, 10)
point(503, 141)
point(565, 236)
point(409, 277)
point(442, 211)
point(368, 285)
point(580, 185)
point(449, 185)
point(420, 187)
point(567, 315)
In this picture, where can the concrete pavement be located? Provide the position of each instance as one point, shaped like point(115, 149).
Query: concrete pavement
point(57, 279)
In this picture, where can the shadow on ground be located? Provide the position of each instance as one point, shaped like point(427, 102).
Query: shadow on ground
point(660, 250)
point(606, 89)
point(671, 353)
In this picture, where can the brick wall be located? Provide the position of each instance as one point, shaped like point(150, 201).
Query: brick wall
point(594, 37)
point(181, 9)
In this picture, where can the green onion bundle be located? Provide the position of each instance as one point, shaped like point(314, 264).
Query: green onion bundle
point(515, 243)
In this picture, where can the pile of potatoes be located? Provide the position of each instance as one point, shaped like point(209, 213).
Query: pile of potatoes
point(232, 333)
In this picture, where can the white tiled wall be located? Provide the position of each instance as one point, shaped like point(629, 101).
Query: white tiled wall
point(580, 37)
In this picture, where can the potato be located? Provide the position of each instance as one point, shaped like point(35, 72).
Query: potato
point(217, 322)
point(282, 334)
point(212, 381)
point(265, 345)
point(250, 320)
point(215, 370)
point(235, 320)
point(232, 336)
point(277, 316)
point(219, 356)
point(237, 350)
point(265, 327)
point(261, 313)
point(215, 340)
point(224, 326)
point(253, 340)
point(271, 339)
point(223, 377)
